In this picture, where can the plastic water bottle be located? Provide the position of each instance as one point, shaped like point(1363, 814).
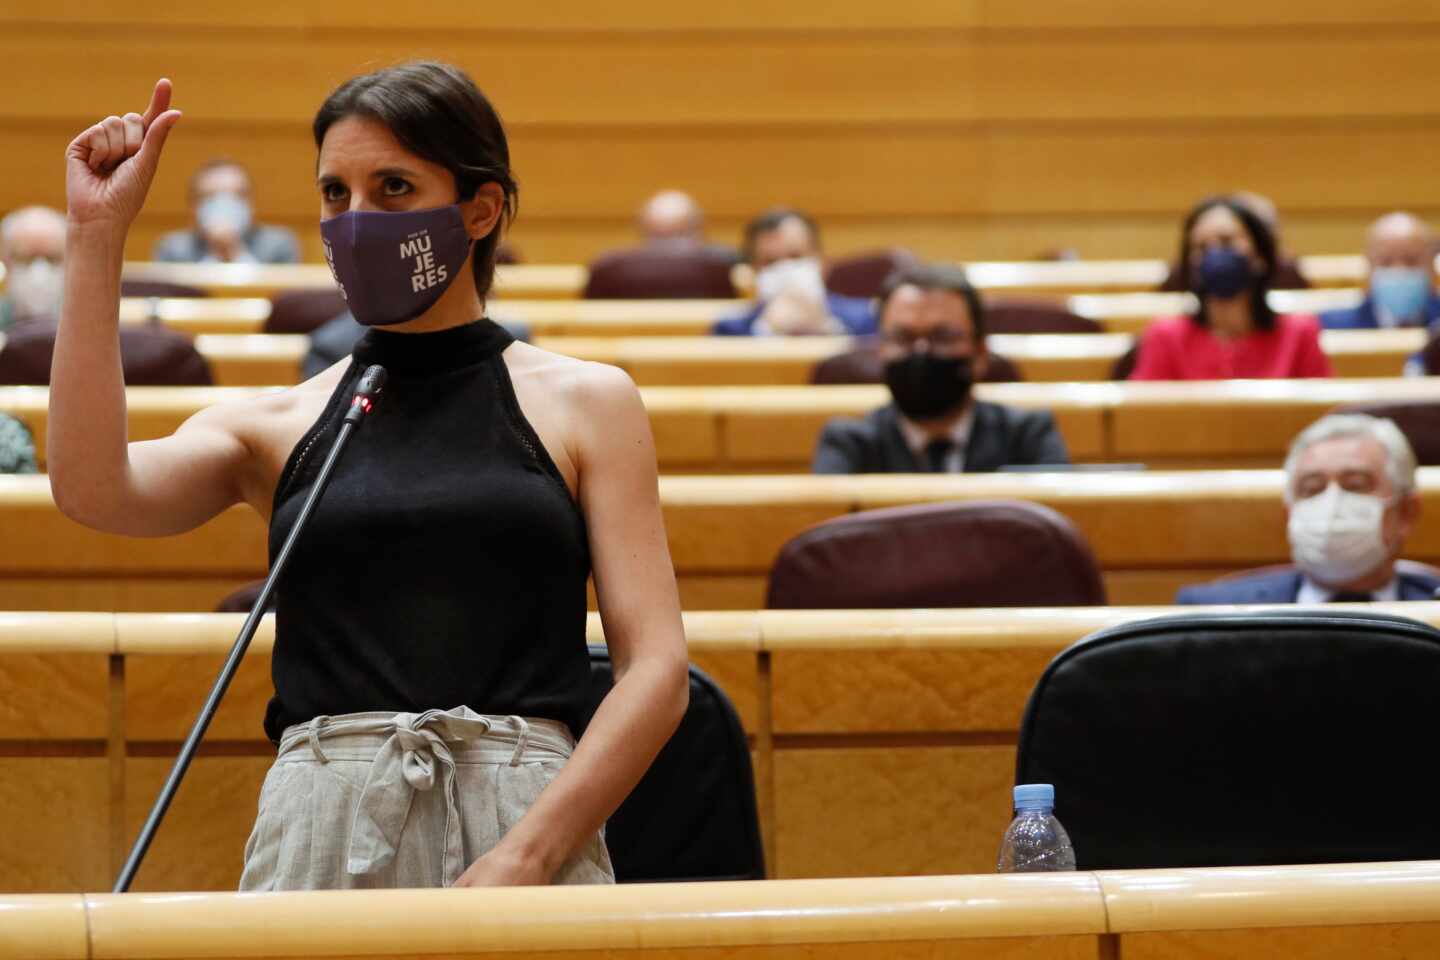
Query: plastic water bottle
point(1035, 842)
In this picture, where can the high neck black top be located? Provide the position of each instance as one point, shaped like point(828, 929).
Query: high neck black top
point(446, 562)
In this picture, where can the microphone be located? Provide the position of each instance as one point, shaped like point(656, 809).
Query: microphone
point(367, 394)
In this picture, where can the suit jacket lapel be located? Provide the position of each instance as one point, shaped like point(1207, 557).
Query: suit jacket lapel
point(985, 448)
point(895, 455)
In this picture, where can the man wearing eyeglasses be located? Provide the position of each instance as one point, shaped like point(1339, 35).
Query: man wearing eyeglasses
point(932, 330)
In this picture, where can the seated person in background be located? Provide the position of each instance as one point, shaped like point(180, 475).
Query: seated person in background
point(32, 246)
point(1287, 268)
point(673, 218)
point(1350, 500)
point(783, 247)
point(1230, 254)
point(1400, 252)
point(225, 231)
point(17, 447)
point(932, 327)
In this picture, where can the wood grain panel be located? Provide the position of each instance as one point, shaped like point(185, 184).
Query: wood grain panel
point(1011, 948)
point(202, 844)
point(894, 691)
point(164, 693)
point(120, 594)
point(1378, 942)
point(54, 834)
point(891, 811)
point(45, 696)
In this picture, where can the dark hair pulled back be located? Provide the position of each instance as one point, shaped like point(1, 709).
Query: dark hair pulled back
point(437, 113)
point(1262, 239)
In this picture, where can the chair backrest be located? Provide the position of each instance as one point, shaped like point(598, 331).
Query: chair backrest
point(980, 553)
point(1124, 364)
point(662, 272)
point(159, 288)
point(693, 816)
point(863, 365)
point(1241, 739)
point(863, 274)
point(150, 355)
point(304, 311)
point(1035, 316)
point(1419, 421)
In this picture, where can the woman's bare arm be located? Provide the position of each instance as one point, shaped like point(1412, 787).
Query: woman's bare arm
point(635, 582)
point(98, 478)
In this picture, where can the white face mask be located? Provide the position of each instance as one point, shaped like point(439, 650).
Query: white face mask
point(34, 288)
point(224, 211)
point(799, 276)
point(1335, 535)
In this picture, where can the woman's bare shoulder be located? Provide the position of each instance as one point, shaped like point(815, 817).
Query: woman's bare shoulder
point(570, 378)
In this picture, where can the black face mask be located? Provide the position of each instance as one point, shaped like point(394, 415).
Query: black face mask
point(926, 386)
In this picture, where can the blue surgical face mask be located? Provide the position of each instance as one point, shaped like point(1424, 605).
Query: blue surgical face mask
point(224, 211)
point(1224, 273)
point(1401, 291)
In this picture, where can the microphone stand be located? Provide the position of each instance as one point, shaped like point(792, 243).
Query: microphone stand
point(372, 381)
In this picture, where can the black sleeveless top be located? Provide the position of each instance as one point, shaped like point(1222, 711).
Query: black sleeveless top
point(446, 562)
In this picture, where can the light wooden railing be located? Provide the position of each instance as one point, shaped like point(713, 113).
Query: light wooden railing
point(1390, 910)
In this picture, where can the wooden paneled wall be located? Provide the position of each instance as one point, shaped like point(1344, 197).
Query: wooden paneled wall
point(976, 129)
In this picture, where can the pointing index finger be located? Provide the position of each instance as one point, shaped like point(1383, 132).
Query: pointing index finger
point(159, 101)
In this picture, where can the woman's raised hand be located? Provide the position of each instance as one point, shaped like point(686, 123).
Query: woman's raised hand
point(109, 167)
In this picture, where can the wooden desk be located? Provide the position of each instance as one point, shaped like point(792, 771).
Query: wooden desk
point(864, 725)
point(1132, 312)
point(1151, 532)
point(1235, 423)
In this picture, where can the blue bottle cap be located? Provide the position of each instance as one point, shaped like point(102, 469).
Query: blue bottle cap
point(1034, 796)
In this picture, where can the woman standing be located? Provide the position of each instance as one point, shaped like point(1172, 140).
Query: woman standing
point(1230, 258)
point(430, 663)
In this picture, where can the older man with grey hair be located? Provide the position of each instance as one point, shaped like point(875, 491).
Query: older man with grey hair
point(32, 247)
point(1350, 501)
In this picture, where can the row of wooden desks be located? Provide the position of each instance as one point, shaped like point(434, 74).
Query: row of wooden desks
point(883, 742)
point(1151, 534)
point(275, 359)
point(1379, 911)
point(1115, 312)
point(1218, 424)
point(567, 281)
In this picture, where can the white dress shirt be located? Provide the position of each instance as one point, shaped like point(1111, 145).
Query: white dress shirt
point(1312, 592)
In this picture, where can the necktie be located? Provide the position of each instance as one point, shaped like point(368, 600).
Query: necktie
point(936, 453)
point(1352, 596)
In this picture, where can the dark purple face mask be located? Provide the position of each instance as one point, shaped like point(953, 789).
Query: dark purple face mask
point(392, 267)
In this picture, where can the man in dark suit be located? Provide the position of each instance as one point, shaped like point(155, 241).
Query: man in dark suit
point(1350, 503)
point(932, 327)
point(1400, 251)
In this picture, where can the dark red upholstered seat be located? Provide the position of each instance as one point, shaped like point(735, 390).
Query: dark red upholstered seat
point(662, 272)
point(150, 355)
point(980, 553)
point(304, 311)
point(1420, 422)
point(863, 365)
point(863, 274)
point(1035, 316)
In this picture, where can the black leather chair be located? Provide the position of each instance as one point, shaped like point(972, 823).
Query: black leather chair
point(1241, 739)
point(150, 356)
point(978, 553)
point(1035, 316)
point(864, 274)
point(304, 311)
point(693, 815)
